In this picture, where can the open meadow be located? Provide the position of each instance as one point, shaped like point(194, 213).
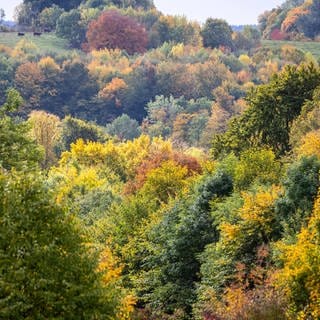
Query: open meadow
point(306, 46)
point(45, 43)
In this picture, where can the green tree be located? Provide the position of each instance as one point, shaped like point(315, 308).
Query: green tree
point(178, 240)
point(272, 109)
point(46, 271)
point(46, 130)
point(74, 129)
point(124, 128)
point(145, 4)
point(17, 150)
point(300, 190)
point(216, 33)
point(25, 15)
point(137, 4)
point(39, 5)
point(162, 113)
point(277, 104)
point(75, 96)
point(253, 34)
point(2, 16)
point(49, 17)
point(247, 39)
point(141, 89)
point(256, 167)
point(175, 29)
point(165, 182)
point(6, 76)
point(50, 99)
point(71, 27)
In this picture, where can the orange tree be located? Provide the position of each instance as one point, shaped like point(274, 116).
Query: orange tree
point(113, 30)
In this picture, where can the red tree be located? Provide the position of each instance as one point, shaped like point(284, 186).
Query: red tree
point(277, 34)
point(113, 30)
point(155, 160)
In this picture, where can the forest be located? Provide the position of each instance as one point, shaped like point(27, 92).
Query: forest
point(157, 168)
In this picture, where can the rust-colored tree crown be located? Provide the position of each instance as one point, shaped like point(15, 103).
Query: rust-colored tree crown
point(113, 30)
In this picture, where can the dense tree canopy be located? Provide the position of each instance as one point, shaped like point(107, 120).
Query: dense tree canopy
point(111, 205)
point(272, 109)
point(50, 275)
point(113, 30)
point(294, 19)
point(40, 5)
point(17, 149)
point(216, 33)
point(179, 238)
point(70, 26)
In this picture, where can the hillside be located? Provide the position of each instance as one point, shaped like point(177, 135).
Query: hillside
point(47, 43)
point(293, 20)
point(155, 168)
point(304, 46)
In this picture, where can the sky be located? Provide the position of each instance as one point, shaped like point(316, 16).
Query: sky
point(234, 11)
point(8, 6)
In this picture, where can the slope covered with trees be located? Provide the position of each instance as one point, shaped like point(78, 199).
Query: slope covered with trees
point(294, 20)
point(170, 172)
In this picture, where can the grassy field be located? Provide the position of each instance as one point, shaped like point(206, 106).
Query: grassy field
point(313, 47)
point(46, 43)
point(50, 43)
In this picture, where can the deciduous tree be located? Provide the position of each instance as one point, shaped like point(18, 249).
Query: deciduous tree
point(71, 27)
point(28, 80)
point(46, 129)
point(46, 271)
point(113, 30)
point(17, 150)
point(272, 109)
point(216, 33)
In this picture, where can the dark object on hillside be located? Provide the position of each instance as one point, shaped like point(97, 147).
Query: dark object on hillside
point(38, 34)
point(20, 34)
point(47, 30)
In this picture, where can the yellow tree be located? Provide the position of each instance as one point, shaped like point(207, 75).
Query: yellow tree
point(290, 22)
point(256, 166)
point(28, 80)
point(106, 63)
point(86, 168)
point(46, 131)
point(257, 222)
point(166, 181)
point(301, 273)
point(23, 48)
point(48, 63)
point(310, 144)
point(111, 268)
point(113, 90)
point(238, 262)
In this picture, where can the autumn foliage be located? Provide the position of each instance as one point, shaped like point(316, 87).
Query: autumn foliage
point(177, 183)
point(277, 34)
point(155, 160)
point(290, 22)
point(113, 30)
